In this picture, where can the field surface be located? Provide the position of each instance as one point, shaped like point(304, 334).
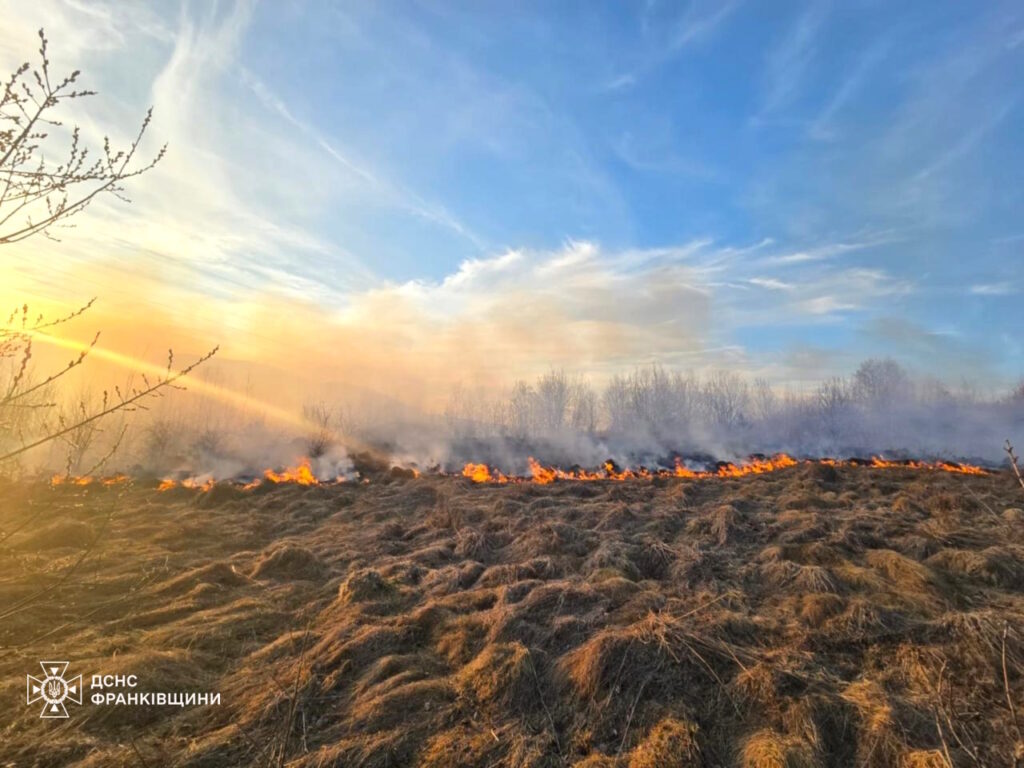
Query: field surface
point(813, 616)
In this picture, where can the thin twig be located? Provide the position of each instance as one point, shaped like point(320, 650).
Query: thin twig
point(1006, 685)
point(938, 725)
point(25, 602)
point(121, 404)
point(981, 501)
point(120, 599)
point(544, 704)
point(95, 468)
point(632, 711)
point(290, 722)
point(138, 754)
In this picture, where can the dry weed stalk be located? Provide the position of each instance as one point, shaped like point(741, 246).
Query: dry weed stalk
point(1013, 463)
point(544, 705)
point(944, 706)
point(280, 747)
point(1006, 686)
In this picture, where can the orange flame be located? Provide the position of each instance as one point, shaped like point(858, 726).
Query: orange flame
point(757, 466)
point(543, 475)
point(301, 474)
point(192, 483)
point(117, 479)
point(481, 473)
point(70, 480)
point(942, 466)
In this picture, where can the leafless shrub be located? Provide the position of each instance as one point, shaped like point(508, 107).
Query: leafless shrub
point(321, 435)
point(161, 440)
point(85, 439)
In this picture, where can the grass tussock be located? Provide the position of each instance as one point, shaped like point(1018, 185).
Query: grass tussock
point(769, 749)
point(672, 743)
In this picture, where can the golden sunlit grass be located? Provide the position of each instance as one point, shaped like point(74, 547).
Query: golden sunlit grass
point(861, 616)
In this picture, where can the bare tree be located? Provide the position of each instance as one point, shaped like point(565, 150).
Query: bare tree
point(880, 383)
point(763, 400)
point(833, 401)
point(583, 405)
point(650, 398)
point(727, 399)
point(35, 195)
point(615, 400)
point(461, 412)
point(554, 395)
point(520, 420)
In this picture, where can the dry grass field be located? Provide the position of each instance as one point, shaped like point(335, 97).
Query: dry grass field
point(813, 616)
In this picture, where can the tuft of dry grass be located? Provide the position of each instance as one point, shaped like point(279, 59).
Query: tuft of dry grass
point(289, 562)
point(770, 749)
point(501, 674)
point(924, 758)
point(671, 743)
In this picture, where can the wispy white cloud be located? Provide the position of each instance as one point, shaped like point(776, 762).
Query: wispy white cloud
point(829, 250)
point(771, 283)
point(789, 60)
point(824, 305)
point(824, 127)
point(700, 20)
point(992, 289)
point(391, 192)
point(653, 149)
point(666, 36)
point(964, 144)
point(222, 204)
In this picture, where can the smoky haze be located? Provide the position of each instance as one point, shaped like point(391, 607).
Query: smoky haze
point(650, 416)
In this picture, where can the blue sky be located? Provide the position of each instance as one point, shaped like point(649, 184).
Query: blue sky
point(652, 124)
point(781, 187)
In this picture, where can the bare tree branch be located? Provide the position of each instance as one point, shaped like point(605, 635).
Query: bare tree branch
point(125, 401)
point(35, 193)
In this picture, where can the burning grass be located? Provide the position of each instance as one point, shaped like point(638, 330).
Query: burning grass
point(786, 614)
point(756, 465)
point(303, 473)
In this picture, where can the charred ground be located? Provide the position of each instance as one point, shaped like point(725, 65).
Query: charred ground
point(812, 616)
